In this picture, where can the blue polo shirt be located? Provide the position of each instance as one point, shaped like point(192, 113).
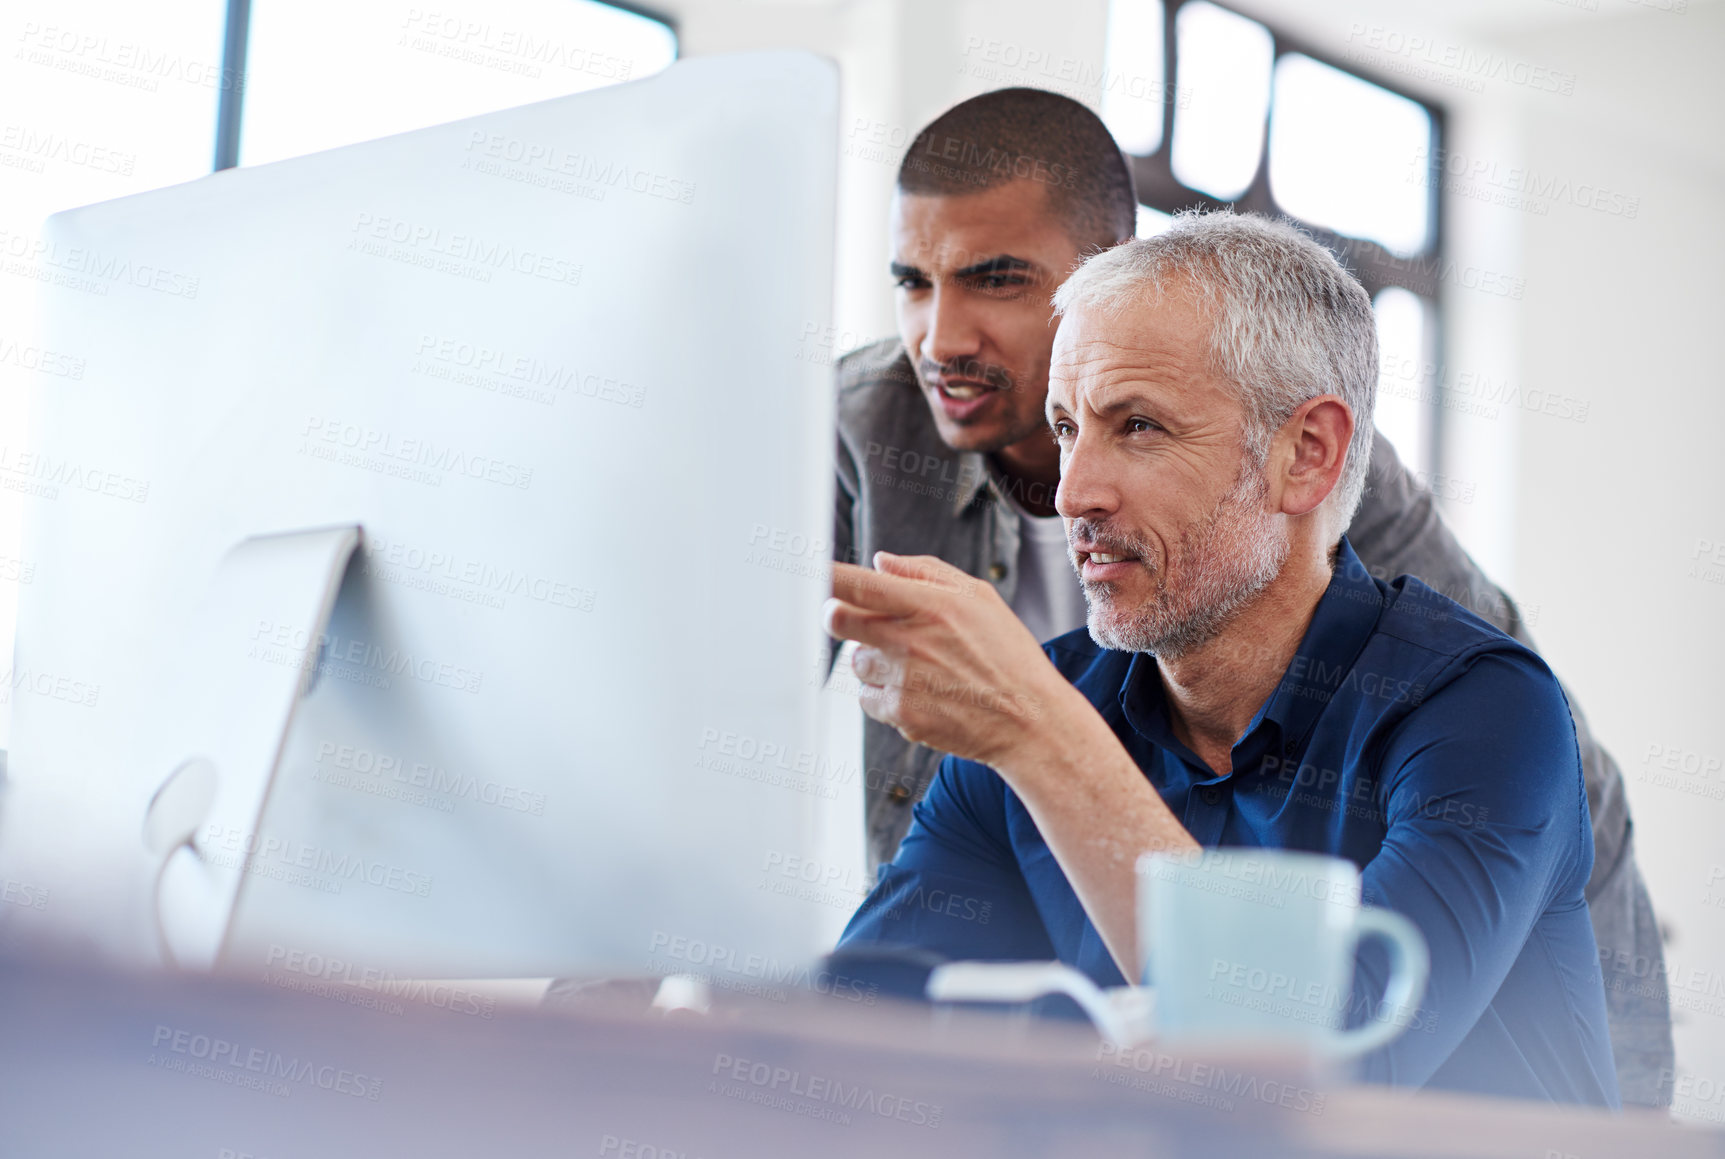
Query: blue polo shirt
point(1408, 736)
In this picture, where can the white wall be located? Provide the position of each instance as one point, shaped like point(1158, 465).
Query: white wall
point(1613, 512)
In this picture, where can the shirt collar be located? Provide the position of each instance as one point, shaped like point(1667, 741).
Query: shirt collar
point(1345, 618)
point(1343, 621)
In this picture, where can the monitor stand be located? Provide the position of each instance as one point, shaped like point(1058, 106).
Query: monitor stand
point(257, 640)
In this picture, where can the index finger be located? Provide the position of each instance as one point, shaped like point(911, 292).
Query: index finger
point(876, 591)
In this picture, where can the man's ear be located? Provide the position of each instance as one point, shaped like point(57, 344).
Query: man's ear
point(1308, 453)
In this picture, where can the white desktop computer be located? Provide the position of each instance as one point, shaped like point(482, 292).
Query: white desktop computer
point(428, 567)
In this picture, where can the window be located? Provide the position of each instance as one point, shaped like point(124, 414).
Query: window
point(1258, 121)
point(1405, 386)
point(1339, 154)
point(1133, 109)
point(1152, 221)
point(1225, 82)
point(323, 73)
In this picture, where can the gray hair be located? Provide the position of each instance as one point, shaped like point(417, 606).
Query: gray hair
point(1287, 322)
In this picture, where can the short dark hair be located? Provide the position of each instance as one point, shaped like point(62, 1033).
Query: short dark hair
point(1023, 133)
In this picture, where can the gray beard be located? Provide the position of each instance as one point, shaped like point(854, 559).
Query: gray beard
point(1213, 573)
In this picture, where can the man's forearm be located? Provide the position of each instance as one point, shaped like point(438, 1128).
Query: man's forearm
point(1013, 711)
point(1098, 812)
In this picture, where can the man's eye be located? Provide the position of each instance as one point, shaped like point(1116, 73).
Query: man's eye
point(999, 281)
point(909, 282)
point(1063, 431)
point(1140, 426)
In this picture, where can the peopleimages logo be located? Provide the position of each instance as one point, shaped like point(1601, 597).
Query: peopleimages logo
point(446, 573)
point(52, 685)
point(280, 643)
point(229, 846)
point(41, 147)
point(371, 231)
point(764, 1079)
point(27, 357)
point(725, 967)
point(602, 174)
point(1064, 74)
point(1205, 1083)
point(435, 778)
point(325, 968)
point(1697, 1096)
point(136, 65)
point(42, 475)
point(477, 364)
point(773, 762)
point(527, 45)
point(1295, 999)
point(102, 269)
point(1532, 189)
point(623, 1147)
point(23, 893)
point(221, 1053)
point(1226, 870)
point(1461, 60)
point(354, 444)
point(811, 871)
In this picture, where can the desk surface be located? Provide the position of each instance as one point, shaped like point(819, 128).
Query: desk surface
point(95, 1063)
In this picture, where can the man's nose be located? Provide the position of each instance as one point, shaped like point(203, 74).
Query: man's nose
point(952, 331)
point(1087, 489)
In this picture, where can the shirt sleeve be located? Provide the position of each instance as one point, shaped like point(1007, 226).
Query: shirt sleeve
point(955, 887)
point(1487, 828)
point(846, 489)
point(844, 503)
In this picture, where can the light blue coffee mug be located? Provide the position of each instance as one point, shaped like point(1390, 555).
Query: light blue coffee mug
point(1259, 945)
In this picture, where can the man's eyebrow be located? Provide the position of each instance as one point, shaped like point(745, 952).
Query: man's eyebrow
point(1000, 264)
point(1124, 400)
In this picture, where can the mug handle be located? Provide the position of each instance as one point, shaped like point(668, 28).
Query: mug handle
point(1410, 965)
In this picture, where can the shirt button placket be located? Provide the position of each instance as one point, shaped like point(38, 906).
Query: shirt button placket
point(1206, 810)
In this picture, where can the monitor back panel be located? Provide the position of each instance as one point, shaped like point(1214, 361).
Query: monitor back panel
point(564, 716)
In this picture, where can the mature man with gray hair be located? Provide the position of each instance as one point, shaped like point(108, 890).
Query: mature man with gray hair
point(944, 450)
point(1211, 393)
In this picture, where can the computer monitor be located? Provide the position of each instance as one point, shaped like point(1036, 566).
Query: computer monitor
point(557, 713)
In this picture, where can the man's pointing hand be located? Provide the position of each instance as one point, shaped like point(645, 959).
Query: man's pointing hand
point(941, 657)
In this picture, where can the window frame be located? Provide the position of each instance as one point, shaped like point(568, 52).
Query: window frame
point(1374, 265)
point(236, 39)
